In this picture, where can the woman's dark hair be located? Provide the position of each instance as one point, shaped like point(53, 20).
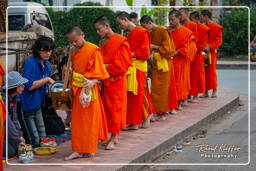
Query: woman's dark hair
point(12, 91)
point(42, 43)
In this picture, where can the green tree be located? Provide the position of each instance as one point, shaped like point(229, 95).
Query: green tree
point(82, 17)
point(235, 37)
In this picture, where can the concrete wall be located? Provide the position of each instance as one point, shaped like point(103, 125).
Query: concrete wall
point(19, 41)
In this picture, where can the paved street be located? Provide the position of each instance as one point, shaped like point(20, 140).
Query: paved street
point(230, 130)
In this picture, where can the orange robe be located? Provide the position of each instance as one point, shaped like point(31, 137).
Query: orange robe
point(2, 116)
point(182, 38)
point(163, 90)
point(89, 123)
point(139, 40)
point(215, 41)
point(192, 26)
point(147, 101)
point(197, 74)
point(117, 55)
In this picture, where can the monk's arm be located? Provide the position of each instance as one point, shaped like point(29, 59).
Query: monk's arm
point(184, 49)
point(202, 42)
point(167, 49)
point(95, 68)
point(143, 50)
point(122, 62)
point(217, 41)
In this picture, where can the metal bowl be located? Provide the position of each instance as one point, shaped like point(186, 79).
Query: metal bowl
point(58, 87)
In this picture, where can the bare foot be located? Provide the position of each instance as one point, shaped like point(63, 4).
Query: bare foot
point(116, 141)
point(214, 93)
point(74, 155)
point(146, 123)
point(185, 103)
point(173, 112)
point(104, 143)
point(180, 107)
point(110, 146)
point(133, 127)
point(162, 117)
point(204, 95)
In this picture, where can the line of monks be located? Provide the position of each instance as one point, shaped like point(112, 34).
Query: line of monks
point(172, 56)
point(116, 74)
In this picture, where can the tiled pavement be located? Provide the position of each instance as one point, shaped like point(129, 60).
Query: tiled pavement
point(142, 145)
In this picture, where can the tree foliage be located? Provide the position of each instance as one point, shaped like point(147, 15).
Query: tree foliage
point(235, 37)
point(82, 17)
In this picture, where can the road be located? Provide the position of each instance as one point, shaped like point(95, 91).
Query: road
point(229, 131)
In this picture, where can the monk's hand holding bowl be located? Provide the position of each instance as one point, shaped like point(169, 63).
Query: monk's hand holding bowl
point(133, 55)
point(176, 53)
point(152, 46)
point(207, 48)
point(89, 83)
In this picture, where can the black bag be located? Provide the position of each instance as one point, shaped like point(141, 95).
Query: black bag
point(52, 122)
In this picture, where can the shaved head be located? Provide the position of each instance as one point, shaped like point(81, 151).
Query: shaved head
point(75, 30)
point(176, 13)
point(184, 9)
point(103, 20)
point(75, 37)
point(123, 15)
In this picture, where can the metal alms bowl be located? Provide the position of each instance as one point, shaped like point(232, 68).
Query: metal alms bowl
point(60, 100)
point(58, 87)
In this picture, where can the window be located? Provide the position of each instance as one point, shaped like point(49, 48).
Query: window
point(16, 22)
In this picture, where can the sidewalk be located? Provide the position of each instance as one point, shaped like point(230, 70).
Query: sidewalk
point(143, 145)
point(235, 64)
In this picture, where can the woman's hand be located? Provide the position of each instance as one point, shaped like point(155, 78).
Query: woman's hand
point(50, 80)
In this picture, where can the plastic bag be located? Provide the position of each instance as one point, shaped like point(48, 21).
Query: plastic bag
point(85, 97)
point(25, 153)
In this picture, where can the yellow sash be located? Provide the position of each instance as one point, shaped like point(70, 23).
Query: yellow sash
point(78, 81)
point(162, 63)
point(209, 57)
point(132, 83)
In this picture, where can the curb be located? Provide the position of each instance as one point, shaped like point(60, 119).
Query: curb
point(157, 151)
point(236, 66)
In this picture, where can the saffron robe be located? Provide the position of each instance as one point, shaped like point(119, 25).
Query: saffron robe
point(139, 41)
point(2, 116)
point(192, 26)
point(117, 55)
point(197, 72)
point(182, 38)
point(163, 90)
point(88, 123)
point(215, 41)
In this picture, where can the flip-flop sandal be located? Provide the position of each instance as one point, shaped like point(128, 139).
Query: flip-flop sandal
point(214, 96)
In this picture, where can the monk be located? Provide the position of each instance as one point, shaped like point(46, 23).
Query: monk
point(139, 41)
point(182, 38)
point(88, 117)
point(2, 116)
point(197, 74)
point(214, 42)
point(117, 59)
point(163, 90)
point(192, 26)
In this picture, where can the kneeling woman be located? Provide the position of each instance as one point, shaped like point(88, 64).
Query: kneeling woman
point(15, 87)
